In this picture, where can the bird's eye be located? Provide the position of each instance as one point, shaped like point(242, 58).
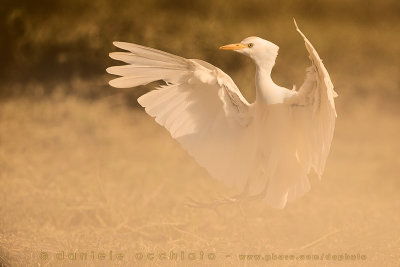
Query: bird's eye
point(250, 45)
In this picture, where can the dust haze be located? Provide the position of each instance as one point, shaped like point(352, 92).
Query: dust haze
point(88, 179)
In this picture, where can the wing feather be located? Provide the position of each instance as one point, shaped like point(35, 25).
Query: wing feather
point(315, 113)
point(202, 107)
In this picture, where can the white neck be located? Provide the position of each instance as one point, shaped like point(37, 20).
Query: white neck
point(265, 87)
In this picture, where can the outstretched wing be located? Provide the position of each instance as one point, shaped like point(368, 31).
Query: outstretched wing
point(200, 106)
point(314, 113)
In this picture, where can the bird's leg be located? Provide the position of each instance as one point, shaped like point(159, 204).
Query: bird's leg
point(260, 195)
point(250, 178)
point(244, 196)
point(237, 199)
point(223, 201)
point(211, 205)
point(245, 190)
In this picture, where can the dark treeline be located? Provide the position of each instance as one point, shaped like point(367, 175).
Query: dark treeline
point(55, 40)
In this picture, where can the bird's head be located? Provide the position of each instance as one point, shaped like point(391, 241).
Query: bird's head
point(258, 49)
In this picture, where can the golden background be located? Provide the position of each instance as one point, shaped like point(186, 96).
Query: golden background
point(82, 168)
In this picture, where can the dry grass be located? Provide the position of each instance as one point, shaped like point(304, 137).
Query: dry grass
point(98, 175)
point(80, 176)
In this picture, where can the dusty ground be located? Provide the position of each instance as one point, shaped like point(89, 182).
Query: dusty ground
point(94, 177)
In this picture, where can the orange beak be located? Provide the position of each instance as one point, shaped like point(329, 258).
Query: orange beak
point(237, 46)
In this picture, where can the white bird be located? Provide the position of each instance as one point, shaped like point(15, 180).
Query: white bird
point(266, 148)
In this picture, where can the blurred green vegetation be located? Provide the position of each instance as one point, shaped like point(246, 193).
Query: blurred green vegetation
point(53, 42)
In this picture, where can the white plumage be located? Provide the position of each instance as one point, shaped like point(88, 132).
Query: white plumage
point(266, 148)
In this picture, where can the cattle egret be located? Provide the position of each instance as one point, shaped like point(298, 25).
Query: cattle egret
point(266, 148)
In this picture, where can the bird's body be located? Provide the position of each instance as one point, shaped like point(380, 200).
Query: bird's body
point(265, 148)
point(267, 91)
